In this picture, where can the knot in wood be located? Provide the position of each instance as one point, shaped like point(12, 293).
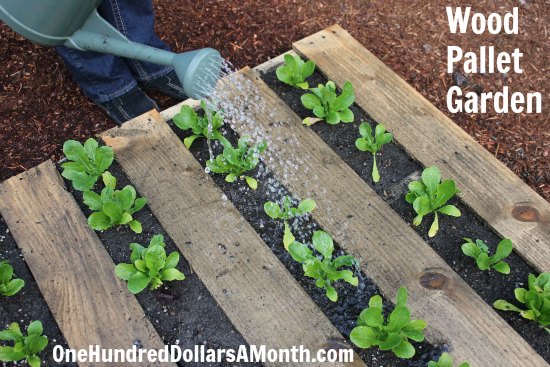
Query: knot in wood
point(526, 213)
point(334, 344)
point(434, 279)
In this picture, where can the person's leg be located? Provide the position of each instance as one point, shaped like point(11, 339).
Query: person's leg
point(101, 76)
point(136, 20)
point(108, 81)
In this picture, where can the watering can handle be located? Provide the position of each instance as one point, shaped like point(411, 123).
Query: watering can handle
point(98, 35)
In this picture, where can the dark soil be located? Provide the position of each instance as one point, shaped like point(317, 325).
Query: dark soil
point(183, 313)
point(27, 305)
point(351, 301)
point(397, 169)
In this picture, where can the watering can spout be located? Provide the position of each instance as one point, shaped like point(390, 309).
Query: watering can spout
point(198, 71)
point(81, 27)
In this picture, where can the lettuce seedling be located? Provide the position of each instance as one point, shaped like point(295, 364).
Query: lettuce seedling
point(326, 271)
point(327, 106)
point(25, 347)
point(446, 361)
point(287, 212)
point(536, 299)
point(206, 126)
point(480, 251)
point(150, 266)
point(8, 285)
point(295, 71)
point(368, 143)
point(430, 195)
point(236, 161)
point(392, 334)
point(113, 207)
point(86, 163)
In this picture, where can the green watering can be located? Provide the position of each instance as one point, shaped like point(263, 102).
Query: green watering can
point(78, 25)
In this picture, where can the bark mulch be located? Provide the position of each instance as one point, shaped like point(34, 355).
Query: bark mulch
point(41, 107)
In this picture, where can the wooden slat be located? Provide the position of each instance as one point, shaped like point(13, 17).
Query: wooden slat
point(501, 198)
point(72, 268)
point(368, 228)
point(257, 293)
point(170, 112)
point(274, 62)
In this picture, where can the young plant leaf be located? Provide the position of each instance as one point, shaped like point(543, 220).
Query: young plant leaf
point(480, 252)
point(295, 71)
point(430, 195)
point(25, 347)
point(326, 272)
point(235, 162)
point(287, 209)
point(327, 105)
point(373, 330)
point(369, 143)
point(205, 126)
point(9, 286)
point(446, 361)
point(85, 163)
point(150, 266)
point(536, 300)
point(113, 207)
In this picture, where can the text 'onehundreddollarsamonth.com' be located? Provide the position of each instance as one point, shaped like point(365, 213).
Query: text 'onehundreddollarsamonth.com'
point(202, 354)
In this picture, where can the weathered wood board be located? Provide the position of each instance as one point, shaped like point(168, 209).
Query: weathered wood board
point(260, 297)
point(393, 253)
point(498, 196)
point(72, 268)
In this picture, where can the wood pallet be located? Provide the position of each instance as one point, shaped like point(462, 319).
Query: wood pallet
point(260, 297)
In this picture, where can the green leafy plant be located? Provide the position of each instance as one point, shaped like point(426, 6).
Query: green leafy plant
point(113, 207)
point(536, 299)
point(25, 347)
point(326, 105)
point(446, 361)
point(287, 212)
point(368, 143)
point(429, 195)
point(8, 285)
point(206, 126)
point(327, 270)
point(295, 71)
point(480, 251)
point(392, 334)
point(236, 161)
point(86, 163)
point(149, 266)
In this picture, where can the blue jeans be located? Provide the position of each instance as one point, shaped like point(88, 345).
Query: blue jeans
point(104, 77)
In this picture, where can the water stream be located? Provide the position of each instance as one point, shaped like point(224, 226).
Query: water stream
point(243, 104)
